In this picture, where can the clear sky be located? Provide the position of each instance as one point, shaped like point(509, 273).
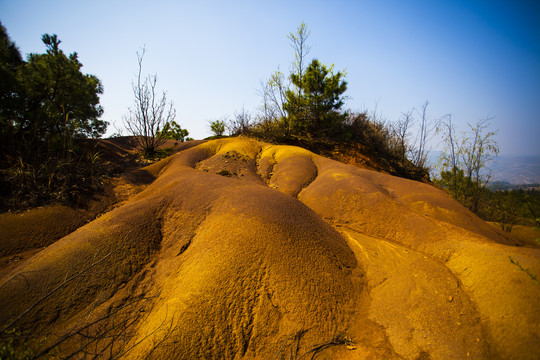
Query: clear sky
point(474, 59)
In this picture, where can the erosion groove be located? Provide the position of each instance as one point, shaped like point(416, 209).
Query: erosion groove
point(236, 249)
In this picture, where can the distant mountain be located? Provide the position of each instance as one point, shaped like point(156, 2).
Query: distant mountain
point(517, 170)
point(512, 169)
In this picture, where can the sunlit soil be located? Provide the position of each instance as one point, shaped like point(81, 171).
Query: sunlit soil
point(235, 248)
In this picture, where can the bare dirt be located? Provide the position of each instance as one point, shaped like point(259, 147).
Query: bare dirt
point(234, 248)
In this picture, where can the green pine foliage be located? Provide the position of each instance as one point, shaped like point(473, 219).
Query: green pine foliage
point(315, 108)
point(172, 130)
point(47, 105)
point(50, 103)
point(305, 108)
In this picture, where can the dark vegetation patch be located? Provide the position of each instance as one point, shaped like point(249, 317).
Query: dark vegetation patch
point(71, 181)
point(226, 173)
point(358, 140)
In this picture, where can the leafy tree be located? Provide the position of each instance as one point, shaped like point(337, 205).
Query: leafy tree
point(464, 162)
point(273, 94)
point(217, 127)
point(46, 104)
point(274, 90)
point(308, 101)
point(505, 206)
point(457, 184)
point(50, 101)
point(450, 158)
point(64, 102)
point(174, 131)
point(150, 112)
point(479, 148)
point(316, 111)
point(10, 60)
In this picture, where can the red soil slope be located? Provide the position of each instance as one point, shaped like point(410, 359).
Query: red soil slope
point(239, 249)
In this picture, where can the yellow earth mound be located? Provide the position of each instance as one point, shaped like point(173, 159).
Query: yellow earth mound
point(239, 249)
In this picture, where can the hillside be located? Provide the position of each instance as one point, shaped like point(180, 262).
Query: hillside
point(238, 249)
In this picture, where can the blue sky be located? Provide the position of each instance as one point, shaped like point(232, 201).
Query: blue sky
point(474, 59)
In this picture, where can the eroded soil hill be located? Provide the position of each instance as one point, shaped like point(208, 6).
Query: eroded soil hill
point(238, 249)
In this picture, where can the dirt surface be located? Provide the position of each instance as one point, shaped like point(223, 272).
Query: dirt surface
point(527, 235)
point(234, 248)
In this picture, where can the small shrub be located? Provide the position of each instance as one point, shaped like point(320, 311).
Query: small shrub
point(52, 179)
point(217, 127)
point(157, 154)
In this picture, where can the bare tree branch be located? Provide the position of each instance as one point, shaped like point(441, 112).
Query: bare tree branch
point(150, 112)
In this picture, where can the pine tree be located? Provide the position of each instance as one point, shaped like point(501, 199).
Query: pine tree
point(316, 110)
